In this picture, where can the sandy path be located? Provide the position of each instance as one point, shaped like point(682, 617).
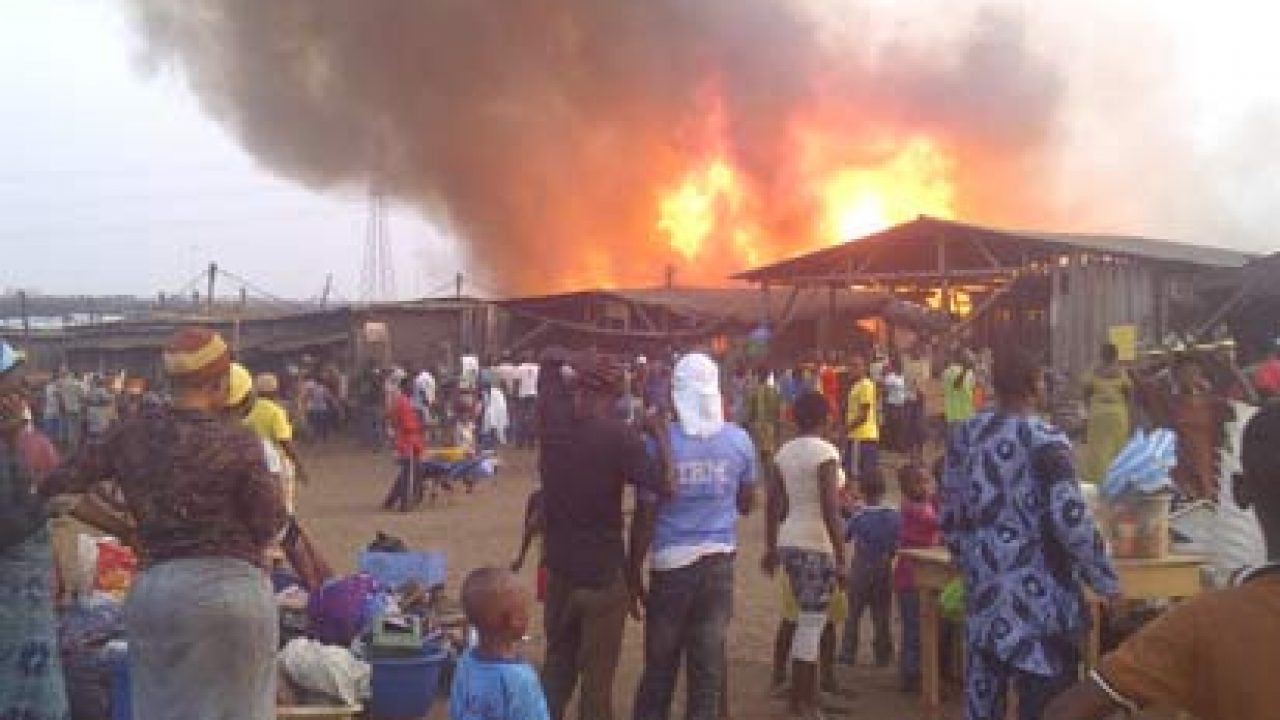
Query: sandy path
point(340, 510)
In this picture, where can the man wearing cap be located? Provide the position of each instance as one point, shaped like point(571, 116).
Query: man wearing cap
point(694, 541)
point(587, 458)
point(270, 422)
point(201, 620)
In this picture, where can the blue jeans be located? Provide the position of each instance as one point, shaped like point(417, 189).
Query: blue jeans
point(372, 423)
point(909, 661)
point(870, 588)
point(688, 616)
point(52, 428)
point(860, 458)
point(522, 422)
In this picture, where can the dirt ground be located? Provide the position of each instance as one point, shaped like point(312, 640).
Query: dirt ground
point(340, 509)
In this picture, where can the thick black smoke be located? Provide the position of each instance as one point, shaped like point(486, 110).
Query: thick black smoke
point(541, 131)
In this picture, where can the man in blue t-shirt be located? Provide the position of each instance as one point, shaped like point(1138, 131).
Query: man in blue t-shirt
point(694, 539)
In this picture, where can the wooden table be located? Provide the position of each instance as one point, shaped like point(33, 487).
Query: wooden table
point(1175, 576)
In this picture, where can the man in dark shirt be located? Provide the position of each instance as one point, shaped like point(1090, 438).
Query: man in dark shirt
point(201, 619)
point(585, 464)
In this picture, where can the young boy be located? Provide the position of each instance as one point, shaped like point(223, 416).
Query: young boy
point(920, 529)
point(873, 530)
point(1214, 655)
point(534, 525)
point(492, 682)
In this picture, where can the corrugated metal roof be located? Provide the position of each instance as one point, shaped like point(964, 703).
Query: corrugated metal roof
point(1142, 247)
point(1007, 246)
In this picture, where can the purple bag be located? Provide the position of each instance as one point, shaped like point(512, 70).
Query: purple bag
point(336, 612)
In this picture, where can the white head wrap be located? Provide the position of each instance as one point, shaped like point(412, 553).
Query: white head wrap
point(695, 387)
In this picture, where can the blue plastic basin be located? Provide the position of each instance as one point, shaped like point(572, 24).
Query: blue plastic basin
point(404, 688)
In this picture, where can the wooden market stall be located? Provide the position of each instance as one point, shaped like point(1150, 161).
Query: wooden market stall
point(1056, 293)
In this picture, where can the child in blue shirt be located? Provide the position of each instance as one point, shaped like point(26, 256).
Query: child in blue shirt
point(492, 682)
point(874, 530)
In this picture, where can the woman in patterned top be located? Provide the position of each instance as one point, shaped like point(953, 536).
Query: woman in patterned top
point(1016, 523)
point(201, 619)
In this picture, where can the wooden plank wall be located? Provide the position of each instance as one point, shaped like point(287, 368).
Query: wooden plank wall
point(1087, 299)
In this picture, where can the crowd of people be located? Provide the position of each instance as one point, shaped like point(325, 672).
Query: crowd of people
point(207, 489)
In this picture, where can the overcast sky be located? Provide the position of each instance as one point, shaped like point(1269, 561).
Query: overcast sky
point(112, 180)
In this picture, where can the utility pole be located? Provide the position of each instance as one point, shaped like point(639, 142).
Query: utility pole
point(213, 280)
point(328, 288)
point(457, 292)
point(377, 277)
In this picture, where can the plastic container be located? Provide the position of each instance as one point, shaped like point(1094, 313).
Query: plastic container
point(1137, 526)
point(393, 570)
point(117, 654)
point(404, 688)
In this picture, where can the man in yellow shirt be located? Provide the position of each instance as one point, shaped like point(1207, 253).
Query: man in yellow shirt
point(269, 421)
point(862, 422)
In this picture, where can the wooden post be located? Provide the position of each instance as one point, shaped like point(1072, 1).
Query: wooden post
point(829, 335)
point(930, 657)
point(942, 273)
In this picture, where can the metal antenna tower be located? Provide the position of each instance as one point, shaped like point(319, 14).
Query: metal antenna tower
point(378, 276)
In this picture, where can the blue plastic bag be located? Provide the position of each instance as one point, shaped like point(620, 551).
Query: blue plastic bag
point(1143, 465)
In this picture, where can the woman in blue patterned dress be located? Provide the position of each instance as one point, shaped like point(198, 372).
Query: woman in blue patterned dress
point(1017, 525)
point(31, 685)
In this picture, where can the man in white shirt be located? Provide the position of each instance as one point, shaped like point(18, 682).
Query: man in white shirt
point(71, 395)
point(52, 425)
point(424, 393)
point(470, 366)
point(915, 376)
point(526, 394)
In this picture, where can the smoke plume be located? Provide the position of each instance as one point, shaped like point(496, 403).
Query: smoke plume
point(544, 133)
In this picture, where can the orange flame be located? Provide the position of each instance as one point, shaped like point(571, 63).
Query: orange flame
point(845, 188)
point(693, 210)
point(858, 201)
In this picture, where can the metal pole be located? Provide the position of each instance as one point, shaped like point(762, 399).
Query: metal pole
point(213, 279)
point(26, 318)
